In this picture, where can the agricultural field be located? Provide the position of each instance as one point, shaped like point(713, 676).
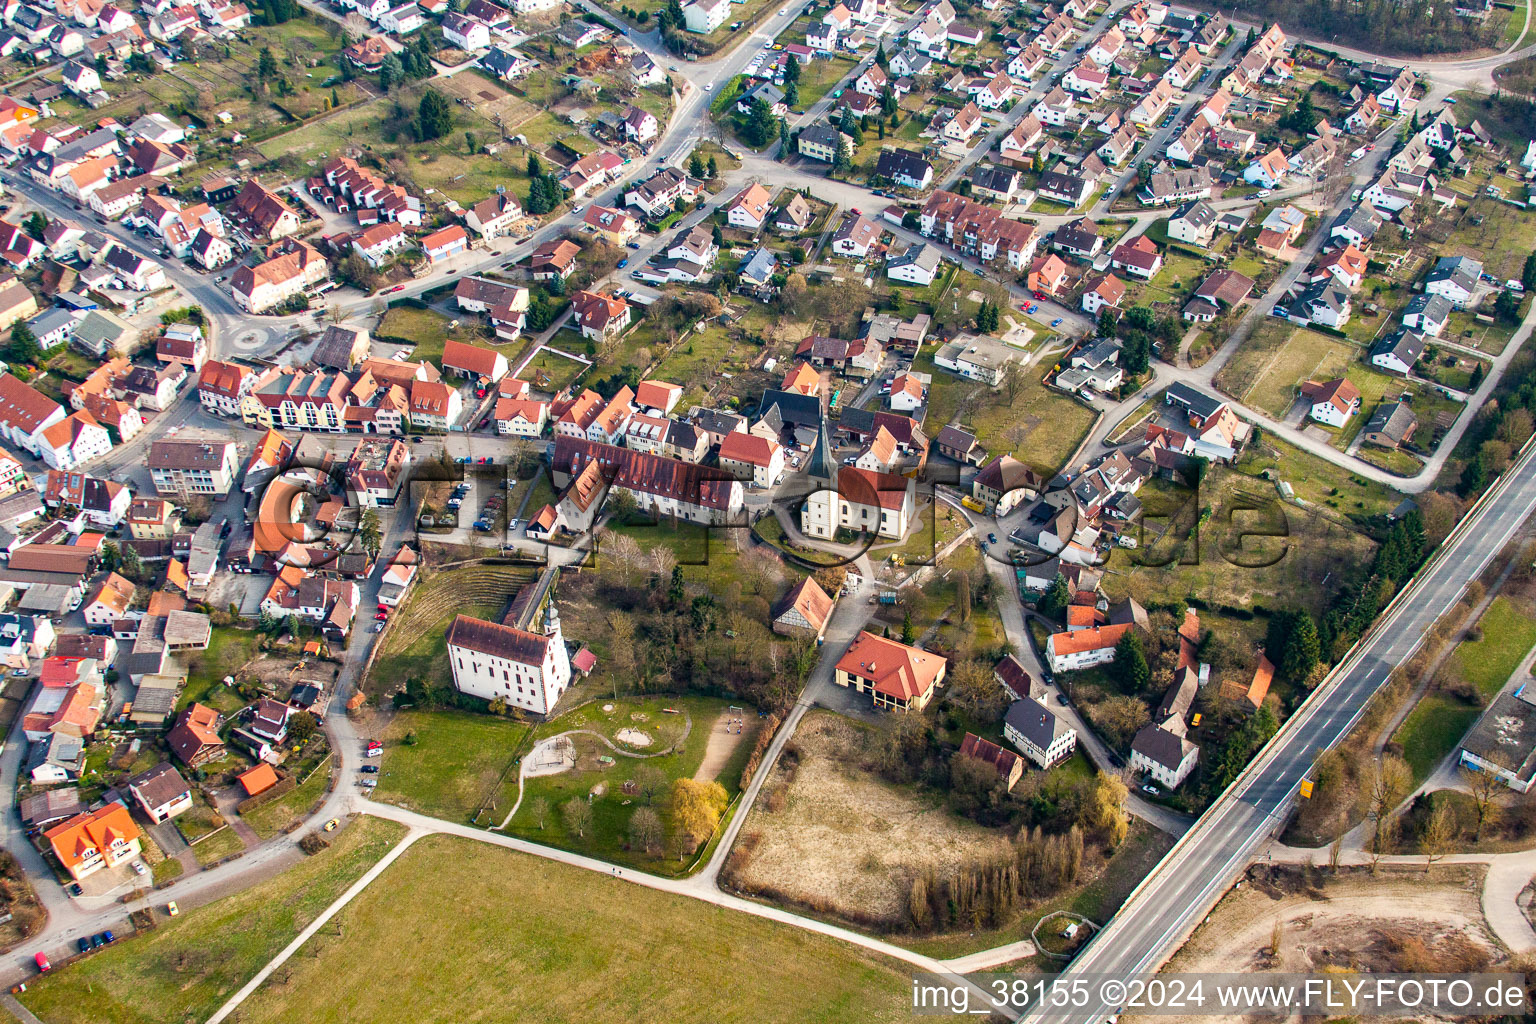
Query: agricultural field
point(414, 644)
point(187, 967)
point(525, 935)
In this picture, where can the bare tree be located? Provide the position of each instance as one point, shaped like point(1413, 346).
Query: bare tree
point(660, 560)
point(1484, 788)
point(1388, 787)
point(1438, 831)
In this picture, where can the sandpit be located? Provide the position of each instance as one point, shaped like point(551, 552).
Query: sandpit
point(634, 737)
point(551, 757)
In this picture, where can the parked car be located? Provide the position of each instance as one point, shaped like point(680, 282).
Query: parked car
point(1056, 322)
point(75, 889)
point(380, 617)
point(623, 263)
point(83, 944)
point(172, 909)
point(370, 769)
point(330, 826)
point(43, 965)
point(139, 868)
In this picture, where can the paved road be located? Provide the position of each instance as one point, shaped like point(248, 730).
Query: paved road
point(1212, 855)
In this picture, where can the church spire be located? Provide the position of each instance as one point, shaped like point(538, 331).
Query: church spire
point(823, 463)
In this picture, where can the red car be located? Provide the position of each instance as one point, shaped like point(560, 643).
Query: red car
point(42, 962)
point(396, 288)
point(479, 392)
point(381, 616)
point(1040, 296)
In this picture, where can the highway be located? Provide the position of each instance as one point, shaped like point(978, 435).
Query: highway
point(1168, 904)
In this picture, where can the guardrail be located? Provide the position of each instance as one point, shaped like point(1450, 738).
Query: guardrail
point(1309, 707)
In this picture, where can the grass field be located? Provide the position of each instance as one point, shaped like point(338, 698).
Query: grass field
point(1040, 427)
point(305, 48)
point(228, 649)
point(1431, 731)
point(1281, 362)
point(560, 370)
point(217, 846)
point(1508, 634)
point(454, 764)
point(270, 818)
point(414, 644)
point(1315, 480)
point(1251, 549)
point(430, 330)
point(1436, 725)
point(611, 807)
point(500, 935)
point(187, 967)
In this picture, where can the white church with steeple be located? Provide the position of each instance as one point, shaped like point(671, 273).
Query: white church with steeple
point(522, 669)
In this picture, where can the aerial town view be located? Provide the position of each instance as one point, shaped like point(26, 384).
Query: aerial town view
point(734, 510)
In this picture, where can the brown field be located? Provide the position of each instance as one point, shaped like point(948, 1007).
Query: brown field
point(1354, 921)
point(846, 841)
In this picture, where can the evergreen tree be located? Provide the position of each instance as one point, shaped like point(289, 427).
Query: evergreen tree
point(434, 116)
point(1528, 272)
point(791, 70)
point(266, 65)
point(675, 587)
point(335, 98)
point(696, 165)
point(881, 59)
point(713, 169)
point(1130, 666)
point(791, 94)
point(1055, 599)
point(535, 169)
point(908, 633)
point(1477, 377)
point(761, 127)
point(538, 198)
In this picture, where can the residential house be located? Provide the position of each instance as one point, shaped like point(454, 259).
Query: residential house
point(896, 676)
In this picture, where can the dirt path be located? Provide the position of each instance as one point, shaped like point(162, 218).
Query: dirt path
point(730, 731)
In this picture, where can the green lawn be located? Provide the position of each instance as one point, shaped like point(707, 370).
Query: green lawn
point(455, 763)
point(1431, 731)
point(187, 967)
point(228, 649)
point(558, 370)
point(1039, 426)
point(463, 762)
point(270, 818)
point(612, 809)
point(429, 330)
point(217, 846)
point(498, 935)
point(1508, 635)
